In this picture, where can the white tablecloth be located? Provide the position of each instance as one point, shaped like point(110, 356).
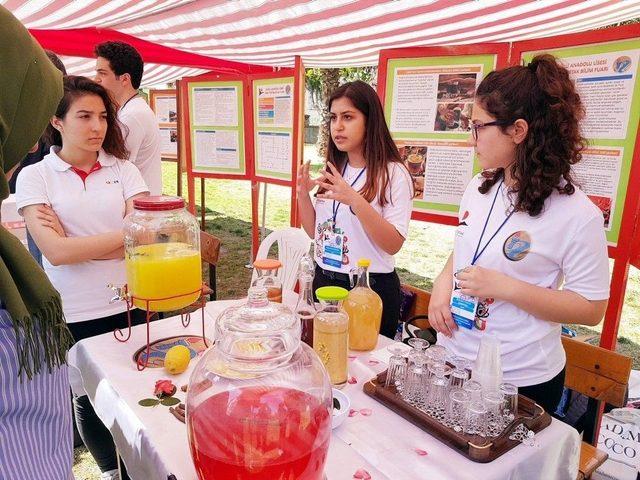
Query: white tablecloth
point(154, 444)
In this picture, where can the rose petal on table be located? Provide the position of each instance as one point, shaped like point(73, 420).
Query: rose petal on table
point(352, 412)
point(362, 474)
point(366, 412)
point(352, 380)
point(421, 452)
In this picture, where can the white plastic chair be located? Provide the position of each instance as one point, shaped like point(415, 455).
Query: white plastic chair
point(293, 243)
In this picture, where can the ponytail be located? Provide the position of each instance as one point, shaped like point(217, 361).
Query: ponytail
point(543, 95)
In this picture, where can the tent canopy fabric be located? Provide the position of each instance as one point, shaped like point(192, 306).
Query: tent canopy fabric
point(178, 36)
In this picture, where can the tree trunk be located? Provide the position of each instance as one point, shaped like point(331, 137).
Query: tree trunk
point(330, 81)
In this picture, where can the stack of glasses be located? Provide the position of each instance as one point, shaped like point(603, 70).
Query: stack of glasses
point(440, 385)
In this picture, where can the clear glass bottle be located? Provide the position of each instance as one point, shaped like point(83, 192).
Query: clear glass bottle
point(306, 308)
point(331, 333)
point(267, 269)
point(364, 308)
point(259, 400)
point(162, 254)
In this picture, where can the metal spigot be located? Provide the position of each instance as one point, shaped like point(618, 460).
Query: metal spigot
point(120, 293)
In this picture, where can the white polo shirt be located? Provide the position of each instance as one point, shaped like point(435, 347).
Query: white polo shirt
point(356, 242)
point(142, 136)
point(90, 207)
point(563, 247)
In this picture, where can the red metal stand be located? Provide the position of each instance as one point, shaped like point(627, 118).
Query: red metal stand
point(185, 318)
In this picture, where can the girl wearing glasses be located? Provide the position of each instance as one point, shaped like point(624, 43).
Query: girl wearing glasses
point(363, 203)
point(530, 251)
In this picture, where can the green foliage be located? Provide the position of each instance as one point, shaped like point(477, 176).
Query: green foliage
point(314, 80)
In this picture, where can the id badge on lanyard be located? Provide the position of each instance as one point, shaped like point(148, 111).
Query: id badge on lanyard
point(464, 307)
point(333, 238)
point(332, 248)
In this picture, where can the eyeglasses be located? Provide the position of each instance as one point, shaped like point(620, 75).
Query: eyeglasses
point(477, 126)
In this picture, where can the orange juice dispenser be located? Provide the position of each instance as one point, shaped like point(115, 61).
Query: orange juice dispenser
point(259, 401)
point(162, 254)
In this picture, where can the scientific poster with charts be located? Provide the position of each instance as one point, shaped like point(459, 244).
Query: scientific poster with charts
point(606, 77)
point(428, 107)
point(273, 108)
point(217, 127)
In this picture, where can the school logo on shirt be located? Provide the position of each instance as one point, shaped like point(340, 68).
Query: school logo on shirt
point(110, 182)
point(517, 246)
point(622, 64)
point(462, 223)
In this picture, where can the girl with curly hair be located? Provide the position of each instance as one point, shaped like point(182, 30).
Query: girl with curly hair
point(530, 247)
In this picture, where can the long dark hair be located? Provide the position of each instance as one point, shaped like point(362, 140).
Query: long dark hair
point(379, 148)
point(542, 94)
point(76, 87)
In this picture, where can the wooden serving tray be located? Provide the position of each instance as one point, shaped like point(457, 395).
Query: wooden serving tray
point(474, 447)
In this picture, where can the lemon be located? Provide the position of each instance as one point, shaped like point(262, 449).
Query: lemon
point(177, 359)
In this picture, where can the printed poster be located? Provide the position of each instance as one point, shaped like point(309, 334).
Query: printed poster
point(169, 142)
point(605, 76)
point(274, 153)
point(440, 170)
point(275, 105)
point(428, 107)
point(216, 127)
point(598, 175)
point(434, 99)
point(215, 106)
point(605, 83)
point(217, 148)
point(166, 109)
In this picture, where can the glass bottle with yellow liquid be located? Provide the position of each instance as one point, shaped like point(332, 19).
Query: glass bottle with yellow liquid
point(364, 308)
point(331, 333)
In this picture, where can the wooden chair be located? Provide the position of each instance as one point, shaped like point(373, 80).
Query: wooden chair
point(601, 375)
point(210, 252)
point(420, 306)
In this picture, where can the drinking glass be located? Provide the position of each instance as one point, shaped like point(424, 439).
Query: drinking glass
point(476, 420)
point(397, 367)
point(418, 347)
point(415, 385)
point(457, 409)
point(474, 389)
point(494, 403)
point(438, 394)
point(460, 374)
point(510, 408)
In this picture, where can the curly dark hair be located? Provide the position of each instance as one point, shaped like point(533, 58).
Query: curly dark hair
point(543, 95)
point(76, 87)
point(123, 58)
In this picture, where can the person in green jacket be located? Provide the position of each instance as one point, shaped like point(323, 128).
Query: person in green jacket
point(35, 412)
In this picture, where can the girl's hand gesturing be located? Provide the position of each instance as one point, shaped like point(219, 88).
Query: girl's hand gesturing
point(335, 186)
point(304, 183)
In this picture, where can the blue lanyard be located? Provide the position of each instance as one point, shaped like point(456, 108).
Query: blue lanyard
point(336, 207)
point(476, 255)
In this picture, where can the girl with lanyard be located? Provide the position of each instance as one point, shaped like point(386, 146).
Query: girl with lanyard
point(530, 251)
point(74, 202)
point(364, 200)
